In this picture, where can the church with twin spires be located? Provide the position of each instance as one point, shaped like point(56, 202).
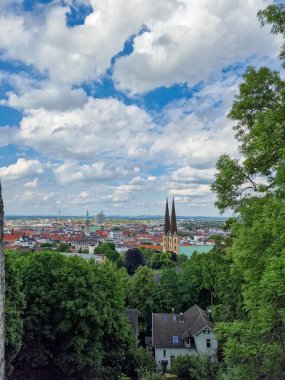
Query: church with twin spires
point(170, 235)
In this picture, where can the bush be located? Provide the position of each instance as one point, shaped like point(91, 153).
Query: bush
point(145, 375)
point(194, 367)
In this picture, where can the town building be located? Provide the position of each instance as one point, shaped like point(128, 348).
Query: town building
point(170, 235)
point(186, 333)
point(100, 217)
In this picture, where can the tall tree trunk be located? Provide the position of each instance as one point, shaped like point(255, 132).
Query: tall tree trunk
point(2, 292)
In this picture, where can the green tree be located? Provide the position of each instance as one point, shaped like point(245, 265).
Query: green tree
point(141, 290)
point(109, 250)
point(74, 324)
point(161, 260)
point(14, 309)
point(254, 188)
point(167, 293)
point(62, 247)
point(133, 259)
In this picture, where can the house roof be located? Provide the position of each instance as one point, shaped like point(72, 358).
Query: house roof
point(166, 219)
point(12, 237)
point(173, 225)
point(166, 326)
point(152, 246)
point(188, 250)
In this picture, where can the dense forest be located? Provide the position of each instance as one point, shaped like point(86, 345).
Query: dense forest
point(65, 317)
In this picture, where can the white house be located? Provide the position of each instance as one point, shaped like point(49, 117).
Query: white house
point(182, 334)
point(26, 242)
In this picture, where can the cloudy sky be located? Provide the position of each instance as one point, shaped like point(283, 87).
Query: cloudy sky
point(117, 104)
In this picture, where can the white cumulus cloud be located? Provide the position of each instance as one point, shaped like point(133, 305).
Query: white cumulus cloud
point(22, 168)
point(198, 40)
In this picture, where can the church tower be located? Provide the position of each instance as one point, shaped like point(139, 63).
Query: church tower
point(170, 235)
point(87, 225)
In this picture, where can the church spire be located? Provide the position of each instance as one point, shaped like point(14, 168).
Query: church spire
point(173, 227)
point(166, 219)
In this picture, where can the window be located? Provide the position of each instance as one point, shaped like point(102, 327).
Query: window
point(172, 357)
point(208, 342)
point(165, 317)
point(174, 317)
point(187, 343)
point(175, 339)
point(164, 353)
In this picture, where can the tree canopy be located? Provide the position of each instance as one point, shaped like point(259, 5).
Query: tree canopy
point(253, 187)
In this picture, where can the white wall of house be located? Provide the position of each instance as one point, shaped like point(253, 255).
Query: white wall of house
point(167, 353)
point(201, 343)
point(115, 234)
point(202, 340)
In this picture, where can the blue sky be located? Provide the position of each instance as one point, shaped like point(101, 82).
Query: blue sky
point(118, 104)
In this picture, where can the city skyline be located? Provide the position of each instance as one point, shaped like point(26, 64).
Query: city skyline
point(103, 111)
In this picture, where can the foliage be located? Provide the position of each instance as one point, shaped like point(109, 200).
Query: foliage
point(124, 377)
point(62, 247)
point(147, 255)
point(74, 324)
point(181, 258)
point(161, 260)
point(108, 249)
point(195, 367)
point(149, 376)
point(167, 293)
point(253, 343)
point(275, 16)
point(259, 113)
point(145, 362)
point(46, 245)
point(133, 259)
point(14, 308)
point(140, 294)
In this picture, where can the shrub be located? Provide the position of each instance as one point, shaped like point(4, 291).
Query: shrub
point(194, 367)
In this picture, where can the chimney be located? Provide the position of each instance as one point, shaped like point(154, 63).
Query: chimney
point(209, 313)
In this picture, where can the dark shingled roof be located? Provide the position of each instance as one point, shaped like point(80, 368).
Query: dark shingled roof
point(132, 315)
point(166, 219)
point(165, 326)
point(173, 227)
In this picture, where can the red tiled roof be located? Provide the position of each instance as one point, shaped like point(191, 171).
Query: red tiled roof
point(156, 247)
point(11, 237)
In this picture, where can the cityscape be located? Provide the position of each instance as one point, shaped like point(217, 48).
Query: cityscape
point(142, 196)
point(82, 235)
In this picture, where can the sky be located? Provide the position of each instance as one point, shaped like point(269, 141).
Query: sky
point(116, 105)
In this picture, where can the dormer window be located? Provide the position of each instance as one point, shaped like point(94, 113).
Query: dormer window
point(190, 342)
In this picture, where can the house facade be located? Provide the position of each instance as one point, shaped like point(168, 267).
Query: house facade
point(186, 333)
